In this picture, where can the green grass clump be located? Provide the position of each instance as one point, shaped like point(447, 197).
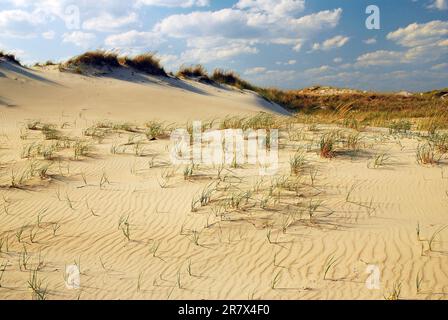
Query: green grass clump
point(327, 146)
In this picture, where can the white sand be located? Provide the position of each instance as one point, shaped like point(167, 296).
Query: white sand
point(375, 225)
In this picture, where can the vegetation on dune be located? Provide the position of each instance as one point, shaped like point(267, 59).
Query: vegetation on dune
point(97, 58)
point(350, 108)
point(9, 57)
point(147, 63)
point(232, 79)
point(197, 71)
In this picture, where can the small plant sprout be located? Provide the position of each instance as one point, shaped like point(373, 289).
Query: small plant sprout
point(33, 235)
point(55, 227)
point(329, 263)
point(327, 144)
point(104, 180)
point(189, 268)
point(426, 155)
point(124, 225)
point(195, 237)
point(188, 172)
point(297, 162)
point(434, 236)
point(2, 271)
point(19, 234)
point(179, 280)
point(396, 292)
point(69, 202)
point(418, 282)
point(379, 160)
point(39, 292)
point(275, 281)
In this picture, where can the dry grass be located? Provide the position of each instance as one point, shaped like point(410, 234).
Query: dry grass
point(98, 59)
point(197, 71)
point(232, 79)
point(9, 57)
point(147, 63)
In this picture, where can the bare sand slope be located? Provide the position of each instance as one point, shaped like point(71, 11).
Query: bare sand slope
point(121, 95)
point(123, 214)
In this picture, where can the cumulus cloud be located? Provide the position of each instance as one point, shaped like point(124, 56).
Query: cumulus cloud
point(439, 5)
point(256, 70)
point(333, 43)
point(370, 41)
point(420, 34)
point(79, 38)
point(133, 38)
point(49, 35)
point(424, 43)
point(241, 28)
point(109, 23)
point(174, 3)
point(19, 23)
point(278, 8)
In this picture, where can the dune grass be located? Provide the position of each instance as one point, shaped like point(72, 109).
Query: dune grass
point(98, 58)
point(9, 57)
point(195, 71)
point(147, 63)
point(232, 79)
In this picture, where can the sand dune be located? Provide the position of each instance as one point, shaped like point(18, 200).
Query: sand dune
point(315, 237)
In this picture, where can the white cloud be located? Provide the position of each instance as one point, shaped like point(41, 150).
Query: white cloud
point(318, 71)
point(133, 38)
point(441, 66)
point(420, 34)
point(425, 43)
point(278, 8)
point(333, 43)
point(49, 35)
point(337, 60)
point(109, 23)
point(19, 23)
point(439, 5)
point(370, 41)
point(174, 3)
point(79, 38)
point(206, 53)
point(254, 71)
point(240, 28)
point(379, 58)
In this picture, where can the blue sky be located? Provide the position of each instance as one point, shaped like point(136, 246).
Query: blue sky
point(283, 43)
